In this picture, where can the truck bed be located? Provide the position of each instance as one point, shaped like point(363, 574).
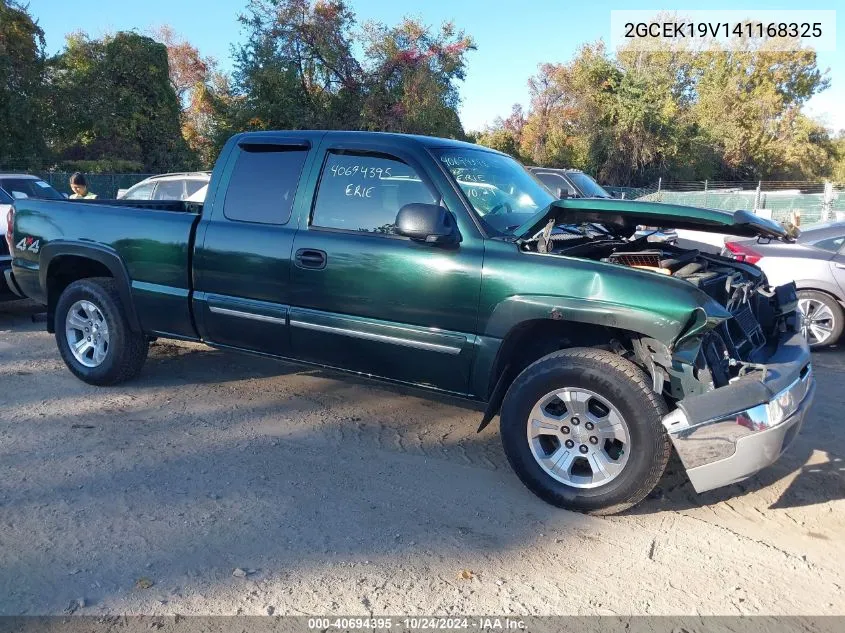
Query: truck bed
point(152, 238)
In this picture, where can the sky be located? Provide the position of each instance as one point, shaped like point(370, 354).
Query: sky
point(513, 37)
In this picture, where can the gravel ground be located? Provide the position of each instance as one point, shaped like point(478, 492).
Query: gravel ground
point(224, 484)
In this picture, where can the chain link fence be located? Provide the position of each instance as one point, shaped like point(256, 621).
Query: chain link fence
point(810, 202)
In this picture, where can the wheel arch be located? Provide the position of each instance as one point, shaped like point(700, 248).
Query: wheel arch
point(528, 341)
point(814, 286)
point(62, 263)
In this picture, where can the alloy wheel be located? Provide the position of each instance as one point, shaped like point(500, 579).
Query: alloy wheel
point(578, 437)
point(87, 333)
point(817, 321)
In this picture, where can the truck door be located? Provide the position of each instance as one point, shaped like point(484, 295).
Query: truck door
point(242, 258)
point(368, 300)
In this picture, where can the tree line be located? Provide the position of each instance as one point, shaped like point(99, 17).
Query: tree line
point(151, 102)
point(640, 115)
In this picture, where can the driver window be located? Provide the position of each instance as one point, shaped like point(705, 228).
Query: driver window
point(364, 192)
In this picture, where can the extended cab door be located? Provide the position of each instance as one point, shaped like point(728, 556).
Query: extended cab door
point(366, 299)
point(242, 257)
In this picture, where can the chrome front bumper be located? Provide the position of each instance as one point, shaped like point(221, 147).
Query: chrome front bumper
point(730, 433)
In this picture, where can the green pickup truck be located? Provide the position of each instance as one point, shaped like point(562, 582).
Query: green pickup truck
point(445, 266)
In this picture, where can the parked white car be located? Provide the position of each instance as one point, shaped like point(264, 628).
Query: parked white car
point(178, 186)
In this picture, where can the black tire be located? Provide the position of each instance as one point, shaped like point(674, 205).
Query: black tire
point(622, 384)
point(835, 309)
point(127, 350)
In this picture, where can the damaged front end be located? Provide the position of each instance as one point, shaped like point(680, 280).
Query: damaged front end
point(738, 373)
point(742, 382)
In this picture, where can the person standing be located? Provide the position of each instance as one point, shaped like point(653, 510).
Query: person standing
point(79, 186)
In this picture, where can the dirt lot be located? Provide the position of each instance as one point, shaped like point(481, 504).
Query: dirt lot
point(344, 497)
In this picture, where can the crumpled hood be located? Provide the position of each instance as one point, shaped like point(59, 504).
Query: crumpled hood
point(625, 215)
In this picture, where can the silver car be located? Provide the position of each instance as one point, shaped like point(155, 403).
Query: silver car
point(178, 186)
point(816, 262)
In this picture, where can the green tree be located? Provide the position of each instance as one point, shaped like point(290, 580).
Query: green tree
point(296, 69)
point(307, 64)
point(21, 90)
point(838, 167)
point(641, 114)
point(112, 100)
point(412, 78)
point(748, 106)
point(201, 90)
point(505, 135)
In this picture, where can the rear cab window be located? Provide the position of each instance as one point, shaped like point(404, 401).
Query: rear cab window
point(263, 183)
point(363, 192)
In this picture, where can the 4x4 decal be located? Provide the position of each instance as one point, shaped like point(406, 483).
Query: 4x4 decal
point(29, 244)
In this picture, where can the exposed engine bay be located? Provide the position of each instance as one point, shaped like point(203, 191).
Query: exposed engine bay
point(735, 346)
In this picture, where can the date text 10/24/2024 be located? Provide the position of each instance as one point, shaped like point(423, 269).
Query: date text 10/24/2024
point(418, 623)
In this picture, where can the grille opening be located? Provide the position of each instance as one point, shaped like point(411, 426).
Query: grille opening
point(641, 258)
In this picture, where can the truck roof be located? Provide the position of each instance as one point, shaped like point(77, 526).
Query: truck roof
point(359, 135)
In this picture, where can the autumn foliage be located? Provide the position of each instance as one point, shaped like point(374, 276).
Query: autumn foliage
point(152, 102)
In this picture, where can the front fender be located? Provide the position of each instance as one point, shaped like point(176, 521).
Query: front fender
point(517, 310)
point(663, 326)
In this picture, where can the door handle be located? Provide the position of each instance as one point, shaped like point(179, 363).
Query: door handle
point(840, 265)
point(310, 258)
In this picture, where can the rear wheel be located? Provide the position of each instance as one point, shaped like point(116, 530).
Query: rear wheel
point(582, 429)
point(93, 333)
point(821, 318)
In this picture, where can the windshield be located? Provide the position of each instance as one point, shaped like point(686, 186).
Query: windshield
point(502, 193)
point(589, 187)
point(20, 188)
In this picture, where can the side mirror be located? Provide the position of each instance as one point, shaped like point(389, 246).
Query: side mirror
point(563, 193)
point(429, 223)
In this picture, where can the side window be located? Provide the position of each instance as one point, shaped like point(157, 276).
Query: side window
point(364, 192)
point(142, 192)
point(556, 182)
point(263, 184)
point(169, 190)
point(192, 186)
point(832, 244)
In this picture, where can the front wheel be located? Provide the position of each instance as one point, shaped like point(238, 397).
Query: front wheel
point(582, 429)
point(93, 333)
